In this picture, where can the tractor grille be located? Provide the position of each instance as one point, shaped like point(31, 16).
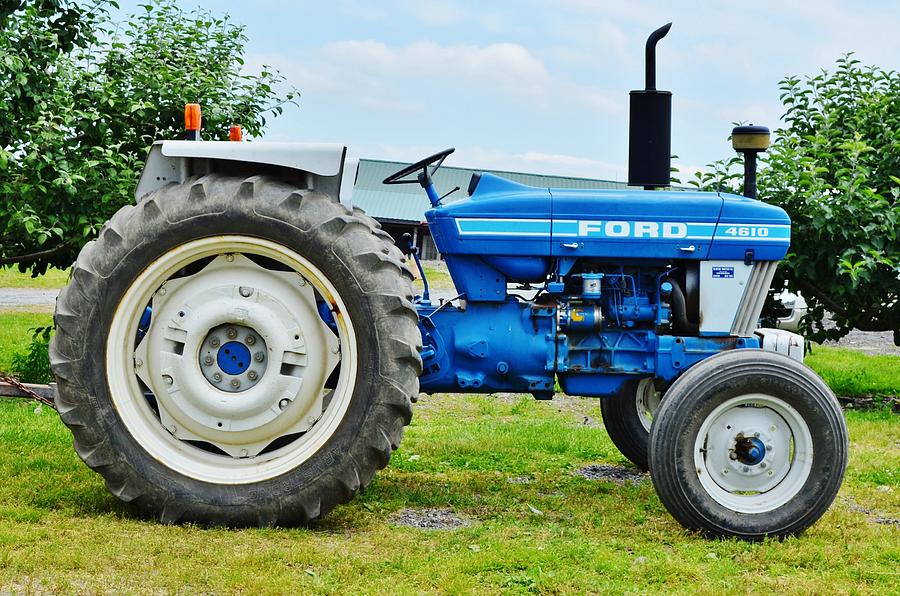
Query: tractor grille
point(754, 296)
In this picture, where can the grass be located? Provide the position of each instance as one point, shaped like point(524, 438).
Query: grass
point(10, 277)
point(850, 373)
point(15, 334)
point(437, 274)
point(60, 530)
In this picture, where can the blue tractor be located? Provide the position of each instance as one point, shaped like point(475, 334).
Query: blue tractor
point(242, 346)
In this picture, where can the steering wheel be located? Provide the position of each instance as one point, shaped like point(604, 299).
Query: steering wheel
point(422, 164)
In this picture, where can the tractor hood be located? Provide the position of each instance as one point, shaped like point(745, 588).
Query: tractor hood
point(502, 217)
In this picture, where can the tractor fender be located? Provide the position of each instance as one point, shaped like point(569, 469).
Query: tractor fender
point(323, 166)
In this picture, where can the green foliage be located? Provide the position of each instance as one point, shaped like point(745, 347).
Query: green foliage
point(33, 365)
point(834, 168)
point(79, 112)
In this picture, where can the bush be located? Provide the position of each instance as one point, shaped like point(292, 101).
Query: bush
point(834, 168)
point(33, 365)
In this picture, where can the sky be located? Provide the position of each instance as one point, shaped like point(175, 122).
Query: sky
point(542, 86)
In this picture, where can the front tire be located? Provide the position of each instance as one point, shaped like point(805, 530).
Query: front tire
point(628, 415)
point(748, 444)
point(237, 351)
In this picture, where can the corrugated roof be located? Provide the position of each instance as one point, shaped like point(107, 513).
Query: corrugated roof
point(408, 202)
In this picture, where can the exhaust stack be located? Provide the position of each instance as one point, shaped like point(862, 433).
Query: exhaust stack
point(650, 126)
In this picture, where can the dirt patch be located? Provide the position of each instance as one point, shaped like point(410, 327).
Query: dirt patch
point(430, 518)
point(519, 479)
point(617, 474)
point(873, 516)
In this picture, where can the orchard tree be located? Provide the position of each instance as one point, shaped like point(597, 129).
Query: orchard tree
point(80, 107)
point(835, 168)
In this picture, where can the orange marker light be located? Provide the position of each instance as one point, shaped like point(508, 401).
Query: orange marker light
point(235, 133)
point(192, 120)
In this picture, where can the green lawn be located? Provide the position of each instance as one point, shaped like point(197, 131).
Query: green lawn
point(437, 274)
point(10, 277)
point(15, 334)
point(60, 531)
point(850, 373)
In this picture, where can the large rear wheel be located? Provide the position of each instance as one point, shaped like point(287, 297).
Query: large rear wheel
point(237, 351)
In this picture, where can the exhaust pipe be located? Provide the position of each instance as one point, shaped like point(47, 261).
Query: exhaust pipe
point(650, 126)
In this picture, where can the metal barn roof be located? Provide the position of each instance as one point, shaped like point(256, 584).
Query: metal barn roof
point(408, 203)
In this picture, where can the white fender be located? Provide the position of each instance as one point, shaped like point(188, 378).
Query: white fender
point(175, 161)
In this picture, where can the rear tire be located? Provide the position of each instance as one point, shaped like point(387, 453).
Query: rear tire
point(627, 416)
point(342, 394)
point(748, 444)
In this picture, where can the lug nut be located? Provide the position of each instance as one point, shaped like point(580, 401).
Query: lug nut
point(252, 375)
point(208, 361)
point(235, 383)
point(250, 340)
point(169, 380)
point(217, 377)
point(231, 333)
point(259, 356)
point(245, 292)
point(285, 402)
point(229, 258)
point(214, 342)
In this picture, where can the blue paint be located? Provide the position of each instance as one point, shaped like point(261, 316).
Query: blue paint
point(233, 358)
point(606, 262)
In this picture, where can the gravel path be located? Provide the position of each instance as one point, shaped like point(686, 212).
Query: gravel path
point(28, 299)
point(870, 342)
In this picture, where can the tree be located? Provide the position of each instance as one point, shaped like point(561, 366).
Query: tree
point(834, 168)
point(80, 108)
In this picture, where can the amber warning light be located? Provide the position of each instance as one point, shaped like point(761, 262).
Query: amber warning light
point(235, 133)
point(192, 120)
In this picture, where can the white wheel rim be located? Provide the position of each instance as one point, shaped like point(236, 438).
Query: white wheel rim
point(646, 400)
point(774, 474)
point(286, 399)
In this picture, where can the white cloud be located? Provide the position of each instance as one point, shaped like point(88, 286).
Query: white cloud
point(533, 162)
point(441, 13)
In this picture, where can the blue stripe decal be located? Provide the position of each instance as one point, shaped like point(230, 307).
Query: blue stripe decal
point(615, 229)
point(503, 227)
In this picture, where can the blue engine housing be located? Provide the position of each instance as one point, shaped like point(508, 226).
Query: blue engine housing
point(610, 266)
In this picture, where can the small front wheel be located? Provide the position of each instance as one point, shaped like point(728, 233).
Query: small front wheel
point(748, 444)
point(628, 415)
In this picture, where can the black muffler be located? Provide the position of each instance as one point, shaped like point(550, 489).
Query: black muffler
point(650, 126)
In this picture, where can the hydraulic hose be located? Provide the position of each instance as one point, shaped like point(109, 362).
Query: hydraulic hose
point(679, 311)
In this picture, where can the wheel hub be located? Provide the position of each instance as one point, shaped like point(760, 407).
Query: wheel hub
point(750, 451)
point(753, 452)
point(233, 365)
point(237, 365)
